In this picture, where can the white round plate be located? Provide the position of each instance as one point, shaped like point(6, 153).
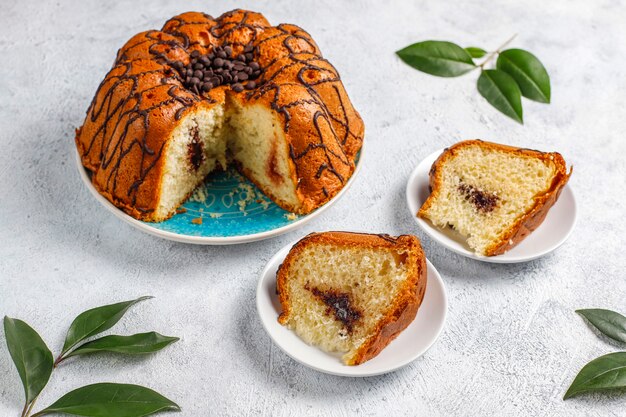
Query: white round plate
point(413, 342)
point(223, 223)
point(551, 234)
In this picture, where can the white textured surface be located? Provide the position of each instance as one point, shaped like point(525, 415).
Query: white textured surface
point(512, 343)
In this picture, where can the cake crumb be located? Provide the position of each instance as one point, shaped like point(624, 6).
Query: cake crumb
point(181, 210)
point(197, 220)
point(199, 195)
point(216, 215)
point(291, 216)
point(265, 204)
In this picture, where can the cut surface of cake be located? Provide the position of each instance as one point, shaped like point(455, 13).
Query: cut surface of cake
point(350, 292)
point(202, 93)
point(493, 195)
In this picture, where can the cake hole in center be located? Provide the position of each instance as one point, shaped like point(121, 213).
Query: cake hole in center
point(220, 67)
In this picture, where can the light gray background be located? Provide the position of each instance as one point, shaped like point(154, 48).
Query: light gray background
point(512, 343)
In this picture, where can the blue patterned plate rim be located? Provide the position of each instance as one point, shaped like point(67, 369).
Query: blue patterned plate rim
point(236, 211)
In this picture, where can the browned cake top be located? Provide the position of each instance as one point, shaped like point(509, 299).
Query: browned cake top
point(196, 60)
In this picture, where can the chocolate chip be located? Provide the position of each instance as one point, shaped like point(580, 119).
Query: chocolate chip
point(195, 54)
point(198, 74)
point(242, 76)
point(228, 50)
point(218, 62)
point(250, 85)
point(237, 87)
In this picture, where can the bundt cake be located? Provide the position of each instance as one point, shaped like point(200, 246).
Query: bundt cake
point(350, 292)
point(494, 195)
point(202, 92)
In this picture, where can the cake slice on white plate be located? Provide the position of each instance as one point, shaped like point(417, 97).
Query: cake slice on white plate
point(494, 195)
point(351, 292)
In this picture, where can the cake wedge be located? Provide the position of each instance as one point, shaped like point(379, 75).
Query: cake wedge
point(494, 195)
point(350, 292)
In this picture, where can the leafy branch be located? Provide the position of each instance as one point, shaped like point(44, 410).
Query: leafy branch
point(607, 371)
point(516, 73)
point(35, 363)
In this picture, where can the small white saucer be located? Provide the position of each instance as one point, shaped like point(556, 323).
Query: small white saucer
point(551, 234)
point(408, 346)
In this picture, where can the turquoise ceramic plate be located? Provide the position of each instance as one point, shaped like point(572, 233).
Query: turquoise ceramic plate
point(232, 209)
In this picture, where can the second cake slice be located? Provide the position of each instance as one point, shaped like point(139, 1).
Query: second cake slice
point(494, 195)
point(350, 292)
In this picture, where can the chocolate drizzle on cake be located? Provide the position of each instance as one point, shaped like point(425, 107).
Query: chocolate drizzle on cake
point(131, 97)
point(484, 201)
point(338, 304)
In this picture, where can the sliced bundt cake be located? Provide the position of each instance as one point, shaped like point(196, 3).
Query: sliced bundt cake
point(494, 195)
point(203, 92)
point(352, 293)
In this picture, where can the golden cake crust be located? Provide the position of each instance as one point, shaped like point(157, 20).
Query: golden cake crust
point(142, 99)
point(405, 305)
point(528, 222)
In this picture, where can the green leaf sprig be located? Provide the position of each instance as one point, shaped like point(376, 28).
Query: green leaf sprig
point(35, 363)
point(516, 73)
point(608, 371)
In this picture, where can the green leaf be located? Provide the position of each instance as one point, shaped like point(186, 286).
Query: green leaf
point(444, 59)
point(609, 322)
point(476, 52)
point(528, 72)
point(30, 354)
point(501, 92)
point(603, 373)
point(136, 344)
point(96, 320)
point(110, 400)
